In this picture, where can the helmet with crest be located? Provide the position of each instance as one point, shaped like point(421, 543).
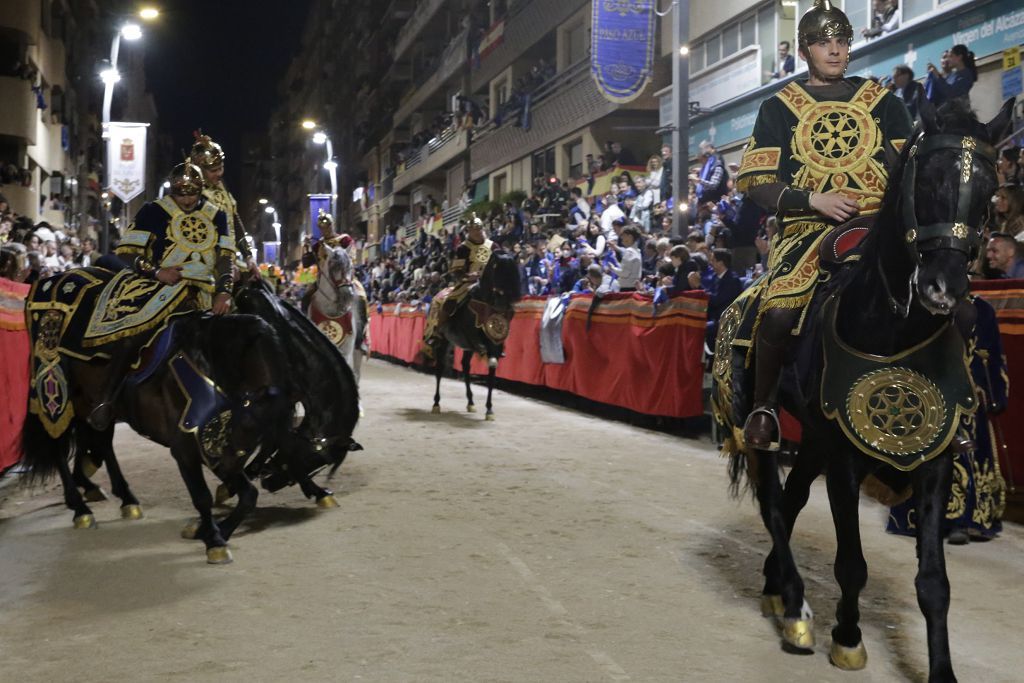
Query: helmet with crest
point(186, 180)
point(821, 22)
point(206, 154)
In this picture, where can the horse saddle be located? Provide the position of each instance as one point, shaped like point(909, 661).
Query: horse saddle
point(842, 243)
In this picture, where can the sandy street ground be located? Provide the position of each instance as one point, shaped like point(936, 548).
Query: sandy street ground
point(546, 546)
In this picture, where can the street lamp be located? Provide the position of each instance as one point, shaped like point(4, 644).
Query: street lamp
point(309, 124)
point(262, 201)
point(149, 13)
point(330, 165)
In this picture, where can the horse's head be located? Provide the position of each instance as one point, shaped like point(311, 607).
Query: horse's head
point(948, 180)
point(499, 283)
point(336, 265)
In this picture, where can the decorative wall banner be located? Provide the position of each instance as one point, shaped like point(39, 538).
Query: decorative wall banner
point(622, 47)
point(316, 203)
point(126, 159)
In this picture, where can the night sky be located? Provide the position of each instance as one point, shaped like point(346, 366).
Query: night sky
point(215, 65)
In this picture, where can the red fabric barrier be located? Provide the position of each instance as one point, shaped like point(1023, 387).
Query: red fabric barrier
point(629, 357)
point(14, 370)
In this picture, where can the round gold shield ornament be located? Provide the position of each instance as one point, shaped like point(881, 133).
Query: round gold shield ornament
point(333, 331)
point(497, 327)
point(896, 410)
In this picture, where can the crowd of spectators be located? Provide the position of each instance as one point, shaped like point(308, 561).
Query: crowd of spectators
point(30, 251)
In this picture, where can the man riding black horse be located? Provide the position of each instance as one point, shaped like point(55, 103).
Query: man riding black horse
point(183, 242)
point(817, 158)
point(471, 257)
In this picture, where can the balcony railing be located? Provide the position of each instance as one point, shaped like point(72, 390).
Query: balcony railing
point(568, 76)
point(454, 57)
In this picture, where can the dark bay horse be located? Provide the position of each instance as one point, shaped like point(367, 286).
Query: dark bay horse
point(247, 409)
point(480, 325)
point(325, 388)
point(904, 302)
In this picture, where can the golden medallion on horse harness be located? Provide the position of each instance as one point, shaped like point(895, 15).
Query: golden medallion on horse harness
point(896, 410)
point(48, 340)
point(333, 330)
point(497, 328)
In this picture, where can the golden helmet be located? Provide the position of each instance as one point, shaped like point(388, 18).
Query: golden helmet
point(822, 21)
point(206, 153)
point(186, 180)
point(325, 222)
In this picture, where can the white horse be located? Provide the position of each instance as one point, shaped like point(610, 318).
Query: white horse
point(338, 305)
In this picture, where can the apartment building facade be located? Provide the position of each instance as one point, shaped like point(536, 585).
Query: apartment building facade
point(423, 107)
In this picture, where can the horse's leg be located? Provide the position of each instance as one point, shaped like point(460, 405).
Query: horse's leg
point(191, 467)
point(492, 367)
point(247, 495)
point(440, 355)
point(467, 358)
point(90, 490)
point(797, 618)
point(932, 481)
point(846, 471)
point(795, 493)
point(84, 518)
point(324, 497)
point(103, 449)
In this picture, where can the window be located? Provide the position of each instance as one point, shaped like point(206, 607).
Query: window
point(576, 43)
point(574, 155)
point(860, 14)
point(712, 49)
point(498, 187)
point(915, 8)
point(730, 40)
point(543, 163)
point(697, 58)
point(748, 31)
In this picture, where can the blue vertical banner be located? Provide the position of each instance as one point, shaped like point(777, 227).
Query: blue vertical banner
point(318, 202)
point(622, 47)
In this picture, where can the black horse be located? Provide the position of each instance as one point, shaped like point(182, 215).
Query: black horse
point(326, 387)
point(239, 356)
point(480, 325)
point(906, 294)
point(327, 392)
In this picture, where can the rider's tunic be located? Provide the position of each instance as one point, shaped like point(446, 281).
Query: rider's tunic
point(164, 236)
point(219, 195)
point(828, 138)
point(470, 258)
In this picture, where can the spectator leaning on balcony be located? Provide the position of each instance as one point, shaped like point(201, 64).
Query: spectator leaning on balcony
point(963, 73)
point(785, 64)
point(885, 18)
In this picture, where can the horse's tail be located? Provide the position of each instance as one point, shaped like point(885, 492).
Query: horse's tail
point(42, 452)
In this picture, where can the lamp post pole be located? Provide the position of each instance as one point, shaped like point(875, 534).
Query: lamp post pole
point(680, 115)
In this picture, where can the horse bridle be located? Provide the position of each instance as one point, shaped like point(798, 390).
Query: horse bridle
point(959, 235)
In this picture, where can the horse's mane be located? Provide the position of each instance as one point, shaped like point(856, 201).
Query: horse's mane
point(317, 361)
point(954, 118)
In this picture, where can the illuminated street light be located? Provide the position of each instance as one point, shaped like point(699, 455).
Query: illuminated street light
point(131, 31)
point(149, 13)
point(262, 201)
point(167, 184)
point(104, 195)
point(331, 165)
point(683, 51)
point(269, 209)
point(683, 207)
point(309, 124)
point(275, 225)
point(110, 76)
point(319, 137)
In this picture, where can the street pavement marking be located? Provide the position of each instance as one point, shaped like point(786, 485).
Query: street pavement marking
point(600, 657)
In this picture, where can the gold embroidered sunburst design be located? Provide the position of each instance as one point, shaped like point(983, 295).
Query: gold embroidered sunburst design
point(896, 410)
point(836, 136)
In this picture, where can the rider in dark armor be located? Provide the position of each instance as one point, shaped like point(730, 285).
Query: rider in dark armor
point(470, 259)
point(209, 157)
point(817, 159)
point(181, 240)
